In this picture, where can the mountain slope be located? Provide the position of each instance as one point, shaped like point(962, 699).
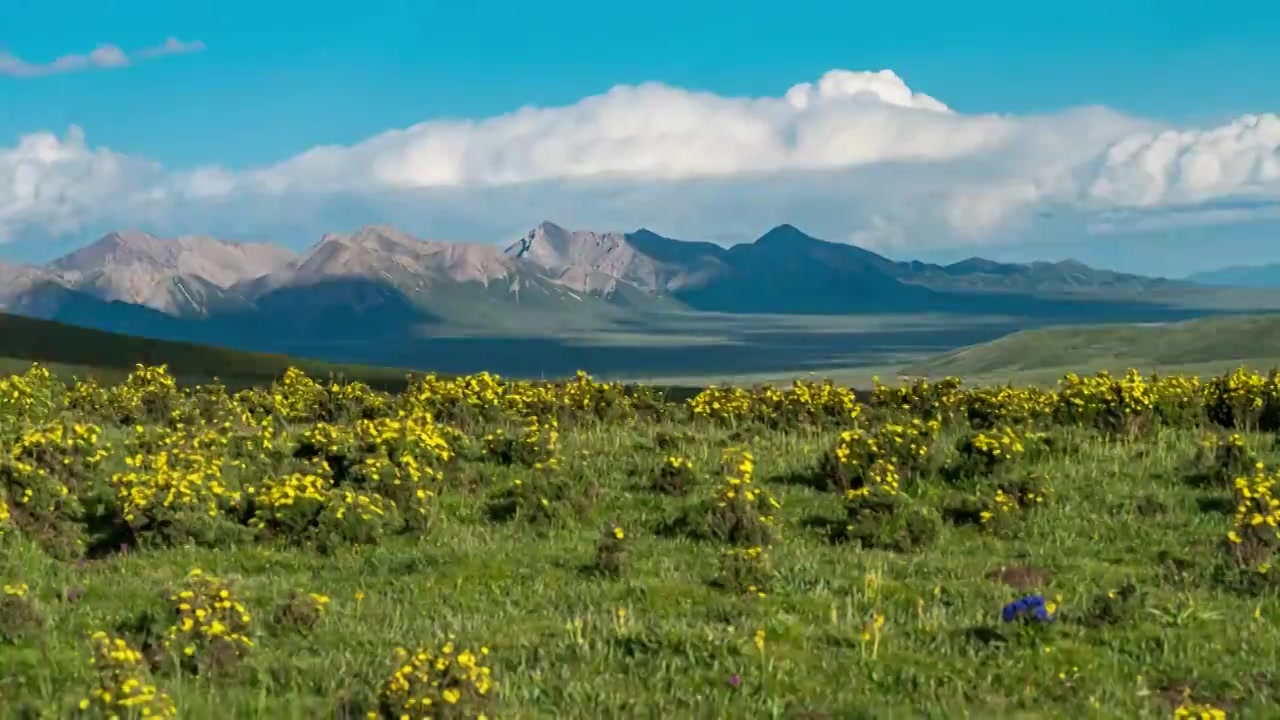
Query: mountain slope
point(1246, 276)
point(1066, 278)
point(473, 287)
point(1195, 342)
point(788, 271)
point(186, 276)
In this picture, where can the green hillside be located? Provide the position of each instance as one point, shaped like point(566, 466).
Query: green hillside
point(1207, 345)
point(69, 351)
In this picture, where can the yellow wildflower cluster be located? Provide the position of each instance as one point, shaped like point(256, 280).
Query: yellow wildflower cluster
point(208, 614)
point(298, 398)
point(675, 476)
point(29, 396)
point(867, 460)
point(805, 402)
point(992, 407)
point(47, 458)
point(677, 464)
point(738, 486)
point(1243, 399)
point(1001, 505)
point(1255, 524)
point(920, 398)
point(1001, 444)
point(172, 471)
point(445, 682)
point(536, 445)
point(124, 688)
point(1130, 403)
point(489, 397)
point(147, 393)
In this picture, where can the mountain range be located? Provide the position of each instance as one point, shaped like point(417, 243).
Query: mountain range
point(1247, 276)
point(379, 288)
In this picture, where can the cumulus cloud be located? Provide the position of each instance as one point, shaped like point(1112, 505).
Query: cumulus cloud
point(656, 132)
point(102, 57)
point(1240, 158)
point(854, 156)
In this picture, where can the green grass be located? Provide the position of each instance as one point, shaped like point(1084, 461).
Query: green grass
point(1203, 346)
point(558, 651)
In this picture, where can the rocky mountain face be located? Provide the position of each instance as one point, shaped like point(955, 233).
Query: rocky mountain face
point(183, 277)
point(384, 283)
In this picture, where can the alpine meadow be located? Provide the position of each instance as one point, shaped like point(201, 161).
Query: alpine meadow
point(475, 547)
point(607, 361)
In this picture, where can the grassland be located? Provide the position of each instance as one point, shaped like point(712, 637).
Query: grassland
point(1206, 346)
point(593, 569)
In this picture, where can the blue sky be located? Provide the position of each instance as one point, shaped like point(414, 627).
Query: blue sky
point(275, 79)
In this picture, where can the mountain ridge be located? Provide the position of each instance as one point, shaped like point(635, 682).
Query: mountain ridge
point(143, 269)
point(1249, 276)
point(384, 288)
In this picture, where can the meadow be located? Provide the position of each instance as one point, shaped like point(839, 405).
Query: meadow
point(474, 547)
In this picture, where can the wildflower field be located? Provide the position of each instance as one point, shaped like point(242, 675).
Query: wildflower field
point(476, 547)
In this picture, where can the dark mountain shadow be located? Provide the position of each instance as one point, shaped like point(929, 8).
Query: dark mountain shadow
point(52, 301)
point(787, 272)
point(342, 310)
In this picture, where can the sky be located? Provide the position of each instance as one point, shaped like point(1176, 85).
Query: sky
point(1129, 135)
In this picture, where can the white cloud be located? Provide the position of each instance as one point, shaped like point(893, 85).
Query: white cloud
point(172, 46)
point(855, 156)
point(102, 57)
point(61, 186)
point(656, 132)
point(1240, 158)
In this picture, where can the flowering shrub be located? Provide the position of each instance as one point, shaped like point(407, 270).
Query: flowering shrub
point(211, 627)
point(676, 476)
point(741, 512)
point(983, 453)
point(124, 687)
point(20, 617)
point(536, 446)
point(804, 403)
point(1255, 525)
point(884, 456)
point(444, 682)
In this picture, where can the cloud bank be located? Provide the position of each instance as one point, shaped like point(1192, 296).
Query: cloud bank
point(103, 57)
point(854, 156)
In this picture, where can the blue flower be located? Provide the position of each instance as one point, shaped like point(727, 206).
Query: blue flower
point(1031, 607)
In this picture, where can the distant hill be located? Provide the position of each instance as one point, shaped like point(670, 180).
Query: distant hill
point(1246, 276)
point(373, 296)
point(84, 352)
point(1210, 343)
